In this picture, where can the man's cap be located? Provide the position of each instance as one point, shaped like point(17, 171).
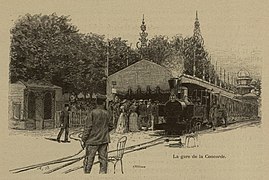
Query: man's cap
point(66, 105)
point(101, 96)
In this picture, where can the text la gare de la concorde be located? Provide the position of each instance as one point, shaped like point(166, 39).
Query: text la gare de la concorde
point(206, 156)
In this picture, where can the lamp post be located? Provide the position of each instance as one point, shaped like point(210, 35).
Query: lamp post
point(128, 50)
point(107, 70)
point(107, 58)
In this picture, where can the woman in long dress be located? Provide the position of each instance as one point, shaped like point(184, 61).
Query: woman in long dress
point(122, 122)
point(133, 118)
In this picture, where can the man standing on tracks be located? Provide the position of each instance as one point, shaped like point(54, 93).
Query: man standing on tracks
point(223, 114)
point(96, 136)
point(64, 120)
point(213, 116)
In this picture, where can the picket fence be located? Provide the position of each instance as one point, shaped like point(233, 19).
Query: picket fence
point(76, 118)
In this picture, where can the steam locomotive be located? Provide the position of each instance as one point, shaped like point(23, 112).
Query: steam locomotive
point(189, 105)
point(178, 110)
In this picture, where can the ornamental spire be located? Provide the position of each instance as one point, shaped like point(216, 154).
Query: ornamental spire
point(197, 31)
point(143, 41)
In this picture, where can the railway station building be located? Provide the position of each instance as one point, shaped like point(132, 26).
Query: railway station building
point(143, 79)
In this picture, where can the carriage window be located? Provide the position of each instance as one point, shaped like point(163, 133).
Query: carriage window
point(17, 111)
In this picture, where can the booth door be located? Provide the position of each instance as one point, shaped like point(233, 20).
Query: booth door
point(48, 106)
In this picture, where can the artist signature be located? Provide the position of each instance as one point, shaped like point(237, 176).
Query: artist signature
point(139, 166)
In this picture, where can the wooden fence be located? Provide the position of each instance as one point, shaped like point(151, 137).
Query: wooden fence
point(76, 118)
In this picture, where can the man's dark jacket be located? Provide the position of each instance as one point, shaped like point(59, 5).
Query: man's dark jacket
point(97, 127)
point(64, 119)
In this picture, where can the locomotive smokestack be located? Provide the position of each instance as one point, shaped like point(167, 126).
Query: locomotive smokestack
point(174, 84)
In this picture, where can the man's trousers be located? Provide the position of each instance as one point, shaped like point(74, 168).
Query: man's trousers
point(65, 135)
point(102, 156)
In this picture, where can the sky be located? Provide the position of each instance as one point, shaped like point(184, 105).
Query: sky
point(230, 28)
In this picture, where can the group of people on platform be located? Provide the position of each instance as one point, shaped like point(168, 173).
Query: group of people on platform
point(133, 115)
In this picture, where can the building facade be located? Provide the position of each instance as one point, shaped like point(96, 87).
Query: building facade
point(141, 77)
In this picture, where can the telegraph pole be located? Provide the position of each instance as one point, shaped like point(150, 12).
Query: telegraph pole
point(194, 67)
point(107, 58)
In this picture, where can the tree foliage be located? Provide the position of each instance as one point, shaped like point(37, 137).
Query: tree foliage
point(50, 48)
point(38, 43)
point(159, 49)
point(120, 55)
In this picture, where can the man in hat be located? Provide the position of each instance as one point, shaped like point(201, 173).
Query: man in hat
point(213, 116)
point(115, 110)
point(223, 114)
point(142, 112)
point(96, 135)
point(64, 124)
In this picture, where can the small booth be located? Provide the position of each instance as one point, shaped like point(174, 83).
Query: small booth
point(32, 105)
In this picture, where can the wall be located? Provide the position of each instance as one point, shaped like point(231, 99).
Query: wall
point(16, 96)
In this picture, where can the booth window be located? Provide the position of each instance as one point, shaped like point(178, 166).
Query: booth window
point(16, 111)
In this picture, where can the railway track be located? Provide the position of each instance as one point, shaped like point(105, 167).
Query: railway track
point(76, 157)
point(231, 126)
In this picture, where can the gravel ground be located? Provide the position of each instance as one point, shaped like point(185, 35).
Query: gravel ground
point(237, 151)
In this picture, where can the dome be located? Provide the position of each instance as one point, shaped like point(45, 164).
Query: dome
point(243, 73)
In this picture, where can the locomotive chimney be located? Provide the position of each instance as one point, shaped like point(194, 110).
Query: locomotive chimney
point(174, 84)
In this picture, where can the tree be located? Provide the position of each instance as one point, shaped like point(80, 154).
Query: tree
point(88, 74)
point(194, 52)
point(174, 60)
point(120, 55)
point(159, 49)
point(257, 86)
point(39, 46)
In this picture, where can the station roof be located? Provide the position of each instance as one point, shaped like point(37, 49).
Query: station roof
point(187, 79)
point(141, 62)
